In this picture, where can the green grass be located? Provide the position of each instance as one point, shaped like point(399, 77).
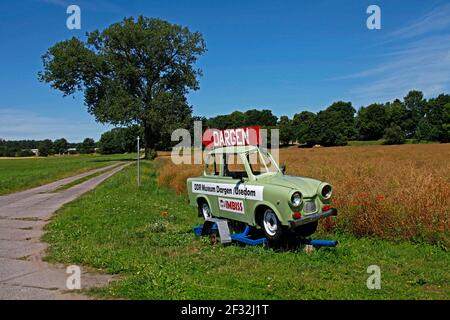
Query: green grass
point(20, 174)
point(120, 230)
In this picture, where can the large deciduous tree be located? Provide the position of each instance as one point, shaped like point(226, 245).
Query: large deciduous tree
point(286, 130)
point(302, 123)
point(87, 146)
point(61, 145)
point(137, 71)
point(372, 121)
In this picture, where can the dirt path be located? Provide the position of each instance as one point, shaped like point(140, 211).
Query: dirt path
point(23, 274)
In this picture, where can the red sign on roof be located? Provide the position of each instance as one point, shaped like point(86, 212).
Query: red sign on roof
point(214, 138)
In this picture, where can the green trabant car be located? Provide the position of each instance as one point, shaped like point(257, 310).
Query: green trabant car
point(244, 184)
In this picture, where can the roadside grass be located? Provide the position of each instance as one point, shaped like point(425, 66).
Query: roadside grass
point(20, 174)
point(145, 236)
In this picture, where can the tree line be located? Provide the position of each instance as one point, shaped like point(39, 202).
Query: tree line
point(414, 117)
point(23, 148)
point(117, 140)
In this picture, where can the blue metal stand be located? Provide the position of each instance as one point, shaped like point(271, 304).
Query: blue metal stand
point(321, 243)
point(244, 238)
point(241, 237)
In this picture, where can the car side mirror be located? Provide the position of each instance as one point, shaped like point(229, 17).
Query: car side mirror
point(283, 168)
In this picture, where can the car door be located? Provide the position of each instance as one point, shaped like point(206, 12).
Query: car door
point(232, 201)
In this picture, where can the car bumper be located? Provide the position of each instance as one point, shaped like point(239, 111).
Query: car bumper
point(312, 217)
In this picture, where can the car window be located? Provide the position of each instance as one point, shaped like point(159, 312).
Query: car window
point(234, 167)
point(213, 165)
point(260, 163)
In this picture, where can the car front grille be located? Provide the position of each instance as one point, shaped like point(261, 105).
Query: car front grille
point(310, 206)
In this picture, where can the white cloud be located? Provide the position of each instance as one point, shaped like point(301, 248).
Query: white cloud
point(424, 66)
point(421, 63)
point(434, 20)
point(60, 3)
point(16, 124)
point(98, 5)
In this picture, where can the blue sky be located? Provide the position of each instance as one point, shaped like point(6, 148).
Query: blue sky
point(287, 56)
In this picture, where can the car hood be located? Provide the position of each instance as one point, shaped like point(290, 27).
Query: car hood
point(307, 186)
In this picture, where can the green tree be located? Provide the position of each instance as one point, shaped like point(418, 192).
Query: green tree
point(446, 123)
point(236, 119)
point(286, 130)
point(394, 135)
point(25, 153)
point(132, 72)
point(334, 125)
point(128, 137)
point(109, 143)
point(397, 114)
point(302, 123)
point(45, 148)
point(328, 130)
point(120, 140)
point(60, 146)
point(344, 116)
point(415, 105)
point(426, 131)
point(435, 116)
point(371, 121)
point(87, 146)
point(263, 118)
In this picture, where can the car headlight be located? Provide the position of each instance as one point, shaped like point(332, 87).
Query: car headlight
point(296, 199)
point(326, 191)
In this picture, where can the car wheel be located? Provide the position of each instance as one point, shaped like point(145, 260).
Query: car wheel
point(307, 229)
point(271, 226)
point(204, 210)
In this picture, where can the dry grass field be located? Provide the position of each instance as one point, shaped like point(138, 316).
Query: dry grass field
point(392, 192)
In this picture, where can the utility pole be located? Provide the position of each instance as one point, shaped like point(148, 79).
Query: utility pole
point(138, 163)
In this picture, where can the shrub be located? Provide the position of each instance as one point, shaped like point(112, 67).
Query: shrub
point(25, 153)
point(394, 135)
point(87, 146)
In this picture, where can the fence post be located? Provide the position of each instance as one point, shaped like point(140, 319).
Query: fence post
point(138, 163)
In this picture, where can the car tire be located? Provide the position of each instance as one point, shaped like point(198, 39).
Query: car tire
point(271, 226)
point(307, 229)
point(204, 210)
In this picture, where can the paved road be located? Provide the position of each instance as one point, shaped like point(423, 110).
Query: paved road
point(23, 274)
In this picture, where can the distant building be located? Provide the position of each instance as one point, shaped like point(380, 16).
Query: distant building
point(72, 151)
point(35, 151)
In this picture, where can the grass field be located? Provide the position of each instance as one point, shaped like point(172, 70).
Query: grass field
point(20, 174)
point(391, 192)
point(146, 237)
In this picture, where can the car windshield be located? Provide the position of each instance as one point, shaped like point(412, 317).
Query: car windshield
point(261, 163)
